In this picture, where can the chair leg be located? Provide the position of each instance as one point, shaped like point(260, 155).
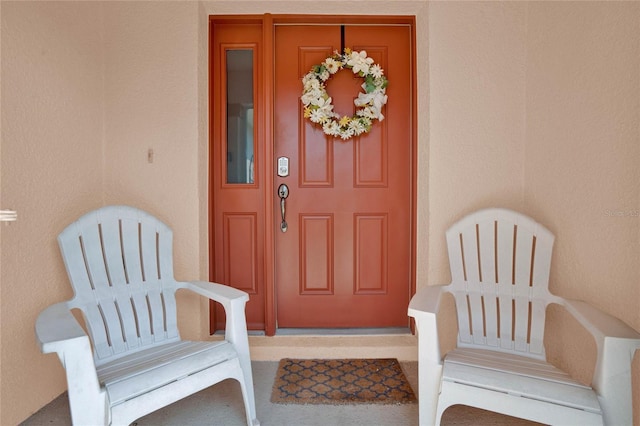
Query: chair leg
point(245, 379)
point(429, 375)
point(88, 412)
point(249, 402)
point(88, 403)
point(442, 407)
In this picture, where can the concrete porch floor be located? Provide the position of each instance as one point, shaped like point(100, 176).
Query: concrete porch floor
point(221, 404)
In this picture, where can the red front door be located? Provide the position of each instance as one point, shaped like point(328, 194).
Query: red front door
point(345, 258)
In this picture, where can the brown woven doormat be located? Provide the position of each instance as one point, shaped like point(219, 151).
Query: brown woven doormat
point(341, 381)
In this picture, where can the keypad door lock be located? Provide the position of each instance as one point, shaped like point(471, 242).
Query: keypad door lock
point(283, 166)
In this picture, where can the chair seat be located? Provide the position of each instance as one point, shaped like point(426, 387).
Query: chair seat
point(520, 376)
point(143, 371)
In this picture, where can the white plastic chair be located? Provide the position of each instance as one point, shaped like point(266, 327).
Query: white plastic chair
point(119, 261)
point(500, 263)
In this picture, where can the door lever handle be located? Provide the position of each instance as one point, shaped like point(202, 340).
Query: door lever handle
point(283, 193)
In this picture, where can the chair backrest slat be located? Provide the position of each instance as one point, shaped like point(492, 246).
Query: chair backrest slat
point(110, 235)
point(475, 302)
point(140, 306)
point(522, 258)
point(119, 260)
point(523, 254)
point(504, 251)
point(128, 320)
point(486, 236)
point(469, 249)
point(148, 253)
point(538, 314)
point(490, 306)
point(129, 241)
point(500, 263)
point(91, 245)
point(97, 330)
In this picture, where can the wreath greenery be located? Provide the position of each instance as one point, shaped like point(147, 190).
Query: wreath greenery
point(318, 105)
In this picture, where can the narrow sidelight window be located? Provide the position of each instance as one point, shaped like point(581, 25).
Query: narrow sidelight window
point(240, 150)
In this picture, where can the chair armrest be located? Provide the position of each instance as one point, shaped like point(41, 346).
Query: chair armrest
point(600, 324)
point(424, 307)
point(616, 344)
point(233, 301)
point(57, 329)
point(222, 294)
point(427, 300)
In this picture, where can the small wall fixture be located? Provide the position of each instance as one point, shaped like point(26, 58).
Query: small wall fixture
point(8, 215)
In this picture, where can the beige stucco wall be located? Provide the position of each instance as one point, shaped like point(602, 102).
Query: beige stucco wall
point(151, 93)
point(528, 105)
point(477, 76)
point(582, 161)
point(52, 171)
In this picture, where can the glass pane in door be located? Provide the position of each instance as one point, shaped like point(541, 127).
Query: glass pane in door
point(240, 150)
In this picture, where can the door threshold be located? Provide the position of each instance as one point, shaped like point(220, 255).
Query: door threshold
point(404, 347)
point(385, 331)
point(342, 331)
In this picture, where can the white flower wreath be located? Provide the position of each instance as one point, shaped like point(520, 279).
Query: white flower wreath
point(317, 102)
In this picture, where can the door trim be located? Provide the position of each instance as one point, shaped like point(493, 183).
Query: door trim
point(269, 22)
